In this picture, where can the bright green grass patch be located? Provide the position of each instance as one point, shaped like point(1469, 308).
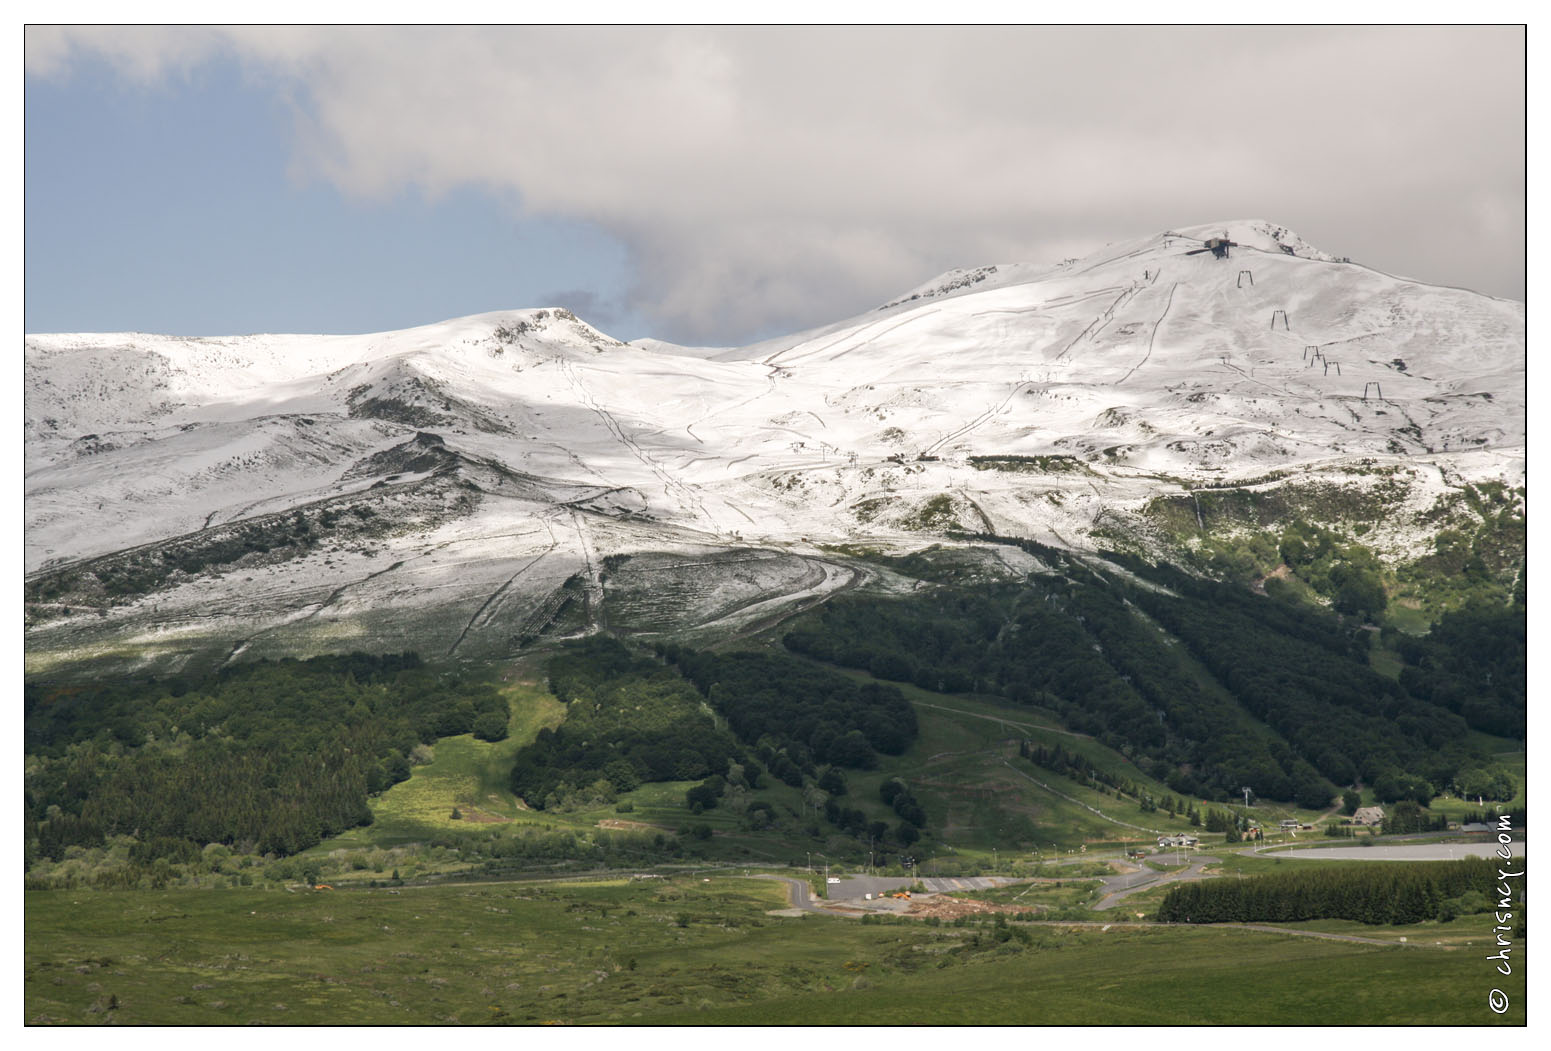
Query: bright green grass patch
point(979, 794)
point(466, 774)
point(1408, 617)
point(1249, 864)
point(1386, 662)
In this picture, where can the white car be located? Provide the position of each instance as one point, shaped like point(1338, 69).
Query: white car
point(834, 879)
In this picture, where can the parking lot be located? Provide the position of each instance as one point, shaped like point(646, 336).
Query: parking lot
point(860, 886)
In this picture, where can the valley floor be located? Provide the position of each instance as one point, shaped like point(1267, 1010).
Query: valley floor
point(691, 949)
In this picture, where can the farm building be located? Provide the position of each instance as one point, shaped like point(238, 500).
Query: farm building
point(1368, 815)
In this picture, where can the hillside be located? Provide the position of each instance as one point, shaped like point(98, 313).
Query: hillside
point(466, 488)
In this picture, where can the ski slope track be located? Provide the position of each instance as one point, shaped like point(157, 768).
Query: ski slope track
point(467, 488)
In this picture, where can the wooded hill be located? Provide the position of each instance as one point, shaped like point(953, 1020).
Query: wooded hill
point(269, 757)
point(1212, 686)
point(1207, 687)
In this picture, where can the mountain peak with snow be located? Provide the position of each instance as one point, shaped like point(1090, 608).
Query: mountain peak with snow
point(480, 463)
point(1258, 234)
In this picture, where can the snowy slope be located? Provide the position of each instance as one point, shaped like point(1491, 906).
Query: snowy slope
point(209, 472)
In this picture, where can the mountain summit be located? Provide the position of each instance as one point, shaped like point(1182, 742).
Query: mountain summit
point(465, 487)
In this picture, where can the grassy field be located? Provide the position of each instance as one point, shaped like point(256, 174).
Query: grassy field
point(965, 769)
point(684, 950)
point(706, 947)
point(1128, 977)
point(465, 774)
point(988, 808)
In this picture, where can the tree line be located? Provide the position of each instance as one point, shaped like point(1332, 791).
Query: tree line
point(1473, 662)
point(1378, 893)
point(628, 720)
point(267, 757)
point(1297, 671)
point(800, 712)
point(1185, 678)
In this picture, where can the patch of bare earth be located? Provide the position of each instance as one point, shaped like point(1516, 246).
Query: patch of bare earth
point(953, 908)
point(1281, 572)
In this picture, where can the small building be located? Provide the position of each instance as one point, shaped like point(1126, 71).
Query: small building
point(1368, 815)
point(1289, 823)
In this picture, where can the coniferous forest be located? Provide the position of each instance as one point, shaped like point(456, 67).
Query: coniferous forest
point(627, 721)
point(268, 757)
point(1188, 674)
point(1377, 893)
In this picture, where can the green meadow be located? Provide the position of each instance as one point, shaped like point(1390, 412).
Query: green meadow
point(458, 904)
point(687, 950)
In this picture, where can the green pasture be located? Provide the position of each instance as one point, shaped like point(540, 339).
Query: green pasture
point(688, 950)
point(985, 806)
point(464, 773)
point(980, 794)
point(1160, 977)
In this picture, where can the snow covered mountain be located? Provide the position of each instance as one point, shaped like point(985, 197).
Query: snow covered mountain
point(464, 487)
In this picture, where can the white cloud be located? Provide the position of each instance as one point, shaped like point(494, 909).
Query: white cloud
point(142, 53)
point(767, 178)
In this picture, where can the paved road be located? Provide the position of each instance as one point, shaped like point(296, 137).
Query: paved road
point(797, 893)
point(1117, 888)
point(1391, 852)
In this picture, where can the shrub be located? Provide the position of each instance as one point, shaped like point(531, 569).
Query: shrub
point(491, 726)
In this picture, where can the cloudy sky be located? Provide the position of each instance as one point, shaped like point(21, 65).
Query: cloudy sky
point(719, 186)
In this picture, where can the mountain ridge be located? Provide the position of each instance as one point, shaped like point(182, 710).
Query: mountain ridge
point(1054, 402)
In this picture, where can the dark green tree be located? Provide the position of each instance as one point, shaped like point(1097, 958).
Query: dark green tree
point(490, 726)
